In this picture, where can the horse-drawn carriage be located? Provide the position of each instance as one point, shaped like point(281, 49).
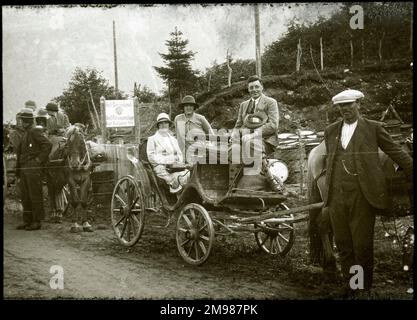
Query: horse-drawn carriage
point(209, 205)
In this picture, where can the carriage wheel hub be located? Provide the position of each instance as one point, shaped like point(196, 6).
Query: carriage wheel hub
point(192, 234)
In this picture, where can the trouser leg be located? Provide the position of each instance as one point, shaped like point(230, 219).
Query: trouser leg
point(34, 188)
point(362, 228)
point(340, 224)
point(26, 203)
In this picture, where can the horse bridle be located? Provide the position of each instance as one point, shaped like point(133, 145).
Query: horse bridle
point(85, 159)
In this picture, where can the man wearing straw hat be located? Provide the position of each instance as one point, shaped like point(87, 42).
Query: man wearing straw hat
point(355, 184)
point(32, 154)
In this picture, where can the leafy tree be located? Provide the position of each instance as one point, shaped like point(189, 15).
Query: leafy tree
point(178, 74)
point(144, 94)
point(76, 98)
point(386, 35)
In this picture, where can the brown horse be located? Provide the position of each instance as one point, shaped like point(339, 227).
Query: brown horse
point(320, 232)
point(78, 170)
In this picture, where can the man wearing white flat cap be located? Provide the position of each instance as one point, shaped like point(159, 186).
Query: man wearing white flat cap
point(355, 182)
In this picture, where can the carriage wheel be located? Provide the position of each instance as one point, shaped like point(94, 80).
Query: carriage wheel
point(276, 238)
point(195, 234)
point(127, 211)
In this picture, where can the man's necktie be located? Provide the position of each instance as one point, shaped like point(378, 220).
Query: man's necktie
point(251, 106)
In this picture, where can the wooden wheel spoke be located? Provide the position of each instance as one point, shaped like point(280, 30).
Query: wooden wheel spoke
point(264, 240)
point(187, 220)
point(193, 215)
point(288, 226)
point(122, 201)
point(203, 248)
point(204, 237)
point(189, 249)
point(185, 242)
point(133, 226)
point(120, 221)
point(197, 257)
point(128, 229)
point(279, 245)
point(182, 230)
point(123, 230)
point(283, 238)
point(203, 227)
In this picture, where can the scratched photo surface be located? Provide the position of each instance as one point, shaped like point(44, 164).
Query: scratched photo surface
point(103, 198)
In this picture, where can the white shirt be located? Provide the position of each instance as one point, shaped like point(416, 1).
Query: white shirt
point(347, 133)
point(256, 101)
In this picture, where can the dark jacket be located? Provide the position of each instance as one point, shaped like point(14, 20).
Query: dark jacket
point(34, 146)
point(368, 136)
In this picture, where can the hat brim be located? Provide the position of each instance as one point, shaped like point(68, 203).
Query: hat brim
point(252, 125)
point(164, 120)
point(182, 105)
point(345, 101)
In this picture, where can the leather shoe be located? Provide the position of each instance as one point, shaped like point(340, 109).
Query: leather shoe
point(33, 226)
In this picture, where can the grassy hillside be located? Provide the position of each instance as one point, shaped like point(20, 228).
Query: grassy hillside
point(307, 96)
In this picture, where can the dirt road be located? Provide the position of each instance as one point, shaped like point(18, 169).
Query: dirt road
point(96, 266)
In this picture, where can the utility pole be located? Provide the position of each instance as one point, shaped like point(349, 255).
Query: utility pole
point(116, 89)
point(258, 42)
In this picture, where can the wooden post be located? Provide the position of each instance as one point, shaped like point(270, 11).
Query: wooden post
point(94, 106)
point(321, 54)
point(116, 93)
point(411, 29)
point(229, 77)
point(137, 119)
point(103, 119)
point(169, 98)
point(299, 53)
point(209, 81)
point(380, 47)
point(258, 42)
point(93, 120)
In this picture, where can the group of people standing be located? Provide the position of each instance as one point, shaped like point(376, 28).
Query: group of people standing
point(355, 185)
point(35, 139)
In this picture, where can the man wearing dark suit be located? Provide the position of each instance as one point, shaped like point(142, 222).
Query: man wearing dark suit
point(355, 182)
point(32, 154)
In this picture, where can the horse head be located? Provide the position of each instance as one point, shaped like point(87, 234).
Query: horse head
point(76, 149)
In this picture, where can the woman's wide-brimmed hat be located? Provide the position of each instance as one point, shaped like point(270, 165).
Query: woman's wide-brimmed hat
point(253, 121)
point(163, 117)
point(188, 101)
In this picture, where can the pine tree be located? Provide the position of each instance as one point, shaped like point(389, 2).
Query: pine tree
point(178, 74)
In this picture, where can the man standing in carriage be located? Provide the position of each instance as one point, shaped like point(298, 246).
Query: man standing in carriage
point(255, 134)
point(355, 183)
point(32, 154)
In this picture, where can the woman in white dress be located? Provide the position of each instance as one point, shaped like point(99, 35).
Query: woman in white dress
point(163, 151)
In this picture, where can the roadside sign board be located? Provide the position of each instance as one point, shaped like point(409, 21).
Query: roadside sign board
point(119, 113)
